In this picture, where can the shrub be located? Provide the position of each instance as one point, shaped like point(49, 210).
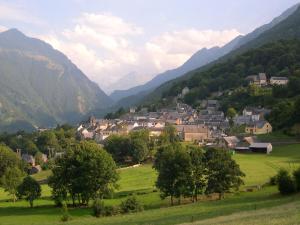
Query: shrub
point(130, 205)
point(286, 184)
point(273, 180)
point(111, 210)
point(65, 213)
point(98, 208)
point(296, 175)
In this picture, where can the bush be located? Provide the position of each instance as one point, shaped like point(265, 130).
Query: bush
point(273, 180)
point(296, 175)
point(98, 208)
point(111, 210)
point(130, 205)
point(101, 210)
point(286, 184)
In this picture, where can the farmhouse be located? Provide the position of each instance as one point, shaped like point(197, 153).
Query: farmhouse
point(259, 127)
point(261, 147)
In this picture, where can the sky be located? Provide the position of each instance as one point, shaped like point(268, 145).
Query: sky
point(123, 43)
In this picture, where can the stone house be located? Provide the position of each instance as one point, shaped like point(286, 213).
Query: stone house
point(199, 133)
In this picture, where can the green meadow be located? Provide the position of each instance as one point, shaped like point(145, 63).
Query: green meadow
point(258, 207)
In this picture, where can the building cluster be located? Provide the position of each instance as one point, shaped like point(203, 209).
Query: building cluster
point(254, 120)
point(262, 80)
point(207, 126)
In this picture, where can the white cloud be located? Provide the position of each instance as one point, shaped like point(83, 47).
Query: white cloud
point(173, 48)
point(105, 48)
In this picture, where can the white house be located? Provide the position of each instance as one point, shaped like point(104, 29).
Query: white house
point(279, 80)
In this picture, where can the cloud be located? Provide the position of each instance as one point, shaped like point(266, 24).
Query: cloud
point(15, 12)
point(108, 48)
point(3, 28)
point(171, 49)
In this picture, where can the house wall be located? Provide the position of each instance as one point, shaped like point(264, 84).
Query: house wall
point(267, 128)
point(278, 82)
point(195, 136)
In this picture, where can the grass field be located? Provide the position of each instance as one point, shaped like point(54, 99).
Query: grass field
point(238, 208)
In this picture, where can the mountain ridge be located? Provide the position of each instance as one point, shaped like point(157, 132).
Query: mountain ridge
point(41, 86)
point(234, 44)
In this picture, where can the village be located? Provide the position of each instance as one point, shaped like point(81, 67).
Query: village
point(208, 126)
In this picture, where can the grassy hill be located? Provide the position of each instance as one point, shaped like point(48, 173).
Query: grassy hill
point(235, 209)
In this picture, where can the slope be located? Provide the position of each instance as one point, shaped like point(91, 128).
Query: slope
point(41, 86)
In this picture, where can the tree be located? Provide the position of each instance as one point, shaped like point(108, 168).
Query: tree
point(30, 189)
point(139, 141)
point(85, 171)
point(223, 173)
point(8, 159)
point(173, 164)
point(231, 113)
point(169, 135)
point(11, 179)
point(39, 158)
point(119, 147)
point(286, 184)
point(48, 142)
point(28, 146)
point(198, 171)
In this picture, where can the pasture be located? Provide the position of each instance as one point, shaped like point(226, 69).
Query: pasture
point(235, 209)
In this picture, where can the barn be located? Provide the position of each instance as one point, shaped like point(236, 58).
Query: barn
point(261, 147)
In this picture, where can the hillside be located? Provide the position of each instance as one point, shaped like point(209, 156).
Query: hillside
point(40, 86)
point(201, 58)
point(285, 29)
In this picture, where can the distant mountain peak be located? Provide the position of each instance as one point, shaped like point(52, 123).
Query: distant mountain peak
point(13, 32)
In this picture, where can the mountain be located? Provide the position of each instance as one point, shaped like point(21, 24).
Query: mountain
point(125, 83)
point(199, 59)
point(39, 86)
point(286, 26)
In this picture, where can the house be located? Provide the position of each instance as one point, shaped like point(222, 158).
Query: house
point(279, 80)
point(185, 91)
point(259, 127)
point(262, 77)
point(230, 142)
point(29, 159)
point(132, 109)
point(252, 79)
point(193, 132)
point(261, 147)
point(255, 114)
point(155, 131)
